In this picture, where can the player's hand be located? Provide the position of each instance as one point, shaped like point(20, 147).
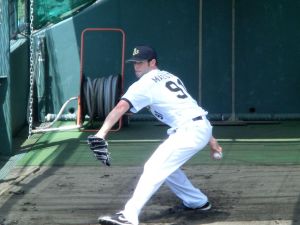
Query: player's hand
point(99, 147)
point(216, 151)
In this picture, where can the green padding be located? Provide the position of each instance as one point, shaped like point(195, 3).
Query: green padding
point(67, 149)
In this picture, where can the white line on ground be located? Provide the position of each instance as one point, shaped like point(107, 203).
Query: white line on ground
point(220, 140)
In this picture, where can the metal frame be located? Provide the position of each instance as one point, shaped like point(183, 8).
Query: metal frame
point(80, 100)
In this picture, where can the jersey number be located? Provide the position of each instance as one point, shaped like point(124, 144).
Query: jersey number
point(175, 87)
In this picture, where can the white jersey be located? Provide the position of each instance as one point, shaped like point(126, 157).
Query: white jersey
point(166, 97)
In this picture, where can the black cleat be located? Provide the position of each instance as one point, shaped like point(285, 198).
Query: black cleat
point(205, 207)
point(183, 208)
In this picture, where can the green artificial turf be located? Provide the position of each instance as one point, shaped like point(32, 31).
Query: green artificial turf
point(134, 144)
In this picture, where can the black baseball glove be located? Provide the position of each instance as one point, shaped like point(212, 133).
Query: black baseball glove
point(99, 148)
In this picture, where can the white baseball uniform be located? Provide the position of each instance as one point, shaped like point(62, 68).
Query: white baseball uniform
point(189, 132)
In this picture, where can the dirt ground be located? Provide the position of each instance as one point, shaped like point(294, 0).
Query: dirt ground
point(241, 195)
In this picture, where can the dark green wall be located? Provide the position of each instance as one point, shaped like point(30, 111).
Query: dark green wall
point(5, 119)
point(266, 53)
point(5, 134)
point(19, 86)
point(268, 56)
point(216, 56)
point(13, 97)
point(171, 26)
point(263, 41)
point(265, 49)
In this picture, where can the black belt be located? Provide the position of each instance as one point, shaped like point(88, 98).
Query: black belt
point(197, 118)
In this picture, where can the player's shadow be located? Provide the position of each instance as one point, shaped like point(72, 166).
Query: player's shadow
point(296, 217)
point(179, 216)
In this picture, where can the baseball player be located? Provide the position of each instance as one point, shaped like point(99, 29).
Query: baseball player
point(168, 100)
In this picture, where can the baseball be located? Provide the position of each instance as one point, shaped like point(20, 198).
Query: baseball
point(217, 155)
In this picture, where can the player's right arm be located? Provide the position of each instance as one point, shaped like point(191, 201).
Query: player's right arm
point(214, 145)
point(118, 111)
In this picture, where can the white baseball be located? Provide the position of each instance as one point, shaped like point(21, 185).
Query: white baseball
point(217, 155)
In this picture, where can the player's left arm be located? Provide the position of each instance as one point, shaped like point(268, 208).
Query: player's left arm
point(118, 111)
point(97, 143)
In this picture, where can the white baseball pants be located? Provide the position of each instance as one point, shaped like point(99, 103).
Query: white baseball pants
point(164, 166)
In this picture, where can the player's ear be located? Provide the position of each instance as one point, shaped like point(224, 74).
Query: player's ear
point(153, 62)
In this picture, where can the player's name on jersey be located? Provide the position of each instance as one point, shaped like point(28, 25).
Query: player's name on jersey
point(161, 76)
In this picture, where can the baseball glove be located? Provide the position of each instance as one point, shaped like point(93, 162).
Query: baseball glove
point(99, 148)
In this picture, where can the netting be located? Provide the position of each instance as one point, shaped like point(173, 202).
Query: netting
point(53, 11)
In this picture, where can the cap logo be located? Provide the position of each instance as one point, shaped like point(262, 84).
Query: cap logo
point(135, 51)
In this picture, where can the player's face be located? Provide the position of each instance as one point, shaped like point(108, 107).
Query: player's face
point(144, 67)
point(140, 68)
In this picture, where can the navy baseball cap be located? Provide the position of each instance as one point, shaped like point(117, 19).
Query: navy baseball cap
point(142, 53)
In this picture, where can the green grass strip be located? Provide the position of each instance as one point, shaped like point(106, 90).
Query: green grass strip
point(73, 152)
